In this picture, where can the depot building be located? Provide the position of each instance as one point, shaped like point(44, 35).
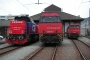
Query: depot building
point(66, 19)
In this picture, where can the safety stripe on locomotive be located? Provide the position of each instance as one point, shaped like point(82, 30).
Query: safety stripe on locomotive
point(60, 35)
point(40, 35)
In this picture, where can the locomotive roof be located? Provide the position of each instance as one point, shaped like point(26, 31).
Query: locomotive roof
point(27, 19)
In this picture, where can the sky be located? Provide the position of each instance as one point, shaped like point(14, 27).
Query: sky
point(17, 7)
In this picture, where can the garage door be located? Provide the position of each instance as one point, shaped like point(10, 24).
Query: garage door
point(66, 25)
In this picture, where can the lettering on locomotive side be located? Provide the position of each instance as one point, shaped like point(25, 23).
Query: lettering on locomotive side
point(16, 27)
point(75, 30)
point(53, 28)
point(17, 22)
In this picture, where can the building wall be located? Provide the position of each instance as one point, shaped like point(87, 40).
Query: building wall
point(6, 17)
point(85, 27)
point(3, 31)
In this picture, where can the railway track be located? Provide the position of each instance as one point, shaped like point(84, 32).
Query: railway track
point(54, 53)
point(42, 51)
point(65, 51)
point(83, 49)
point(7, 49)
point(84, 43)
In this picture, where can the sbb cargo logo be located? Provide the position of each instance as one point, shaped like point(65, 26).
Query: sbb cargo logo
point(33, 28)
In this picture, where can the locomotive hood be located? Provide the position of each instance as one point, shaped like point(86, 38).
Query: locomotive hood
point(17, 27)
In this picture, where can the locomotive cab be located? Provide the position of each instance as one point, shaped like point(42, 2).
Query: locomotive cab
point(73, 31)
point(50, 28)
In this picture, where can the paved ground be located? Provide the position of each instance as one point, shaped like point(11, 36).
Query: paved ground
point(67, 51)
point(21, 53)
point(66, 45)
point(88, 37)
point(3, 40)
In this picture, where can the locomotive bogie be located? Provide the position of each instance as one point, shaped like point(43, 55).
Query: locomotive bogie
point(50, 38)
point(73, 36)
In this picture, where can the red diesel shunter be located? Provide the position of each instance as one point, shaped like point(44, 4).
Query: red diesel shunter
point(21, 31)
point(50, 28)
point(73, 31)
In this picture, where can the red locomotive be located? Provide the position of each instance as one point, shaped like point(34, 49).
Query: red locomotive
point(73, 31)
point(22, 30)
point(50, 28)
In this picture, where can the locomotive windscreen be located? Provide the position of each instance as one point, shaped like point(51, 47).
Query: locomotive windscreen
point(50, 19)
point(25, 18)
point(74, 26)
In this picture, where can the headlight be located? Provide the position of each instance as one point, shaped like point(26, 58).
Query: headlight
point(10, 37)
point(7, 37)
point(21, 37)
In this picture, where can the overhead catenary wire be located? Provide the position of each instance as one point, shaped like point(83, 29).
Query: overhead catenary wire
point(86, 1)
point(33, 5)
point(25, 6)
point(36, 3)
point(8, 2)
point(5, 10)
point(79, 7)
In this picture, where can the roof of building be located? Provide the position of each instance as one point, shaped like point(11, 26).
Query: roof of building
point(52, 8)
point(63, 15)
